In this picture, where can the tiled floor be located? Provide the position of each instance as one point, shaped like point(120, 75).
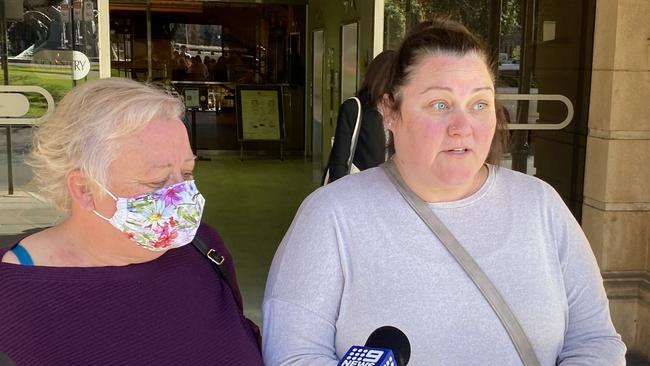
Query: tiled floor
point(23, 211)
point(252, 203)
point(635, 360)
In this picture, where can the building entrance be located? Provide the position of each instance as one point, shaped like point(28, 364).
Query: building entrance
point(208, 49)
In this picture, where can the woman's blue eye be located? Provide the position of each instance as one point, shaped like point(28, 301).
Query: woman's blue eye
point(440, 106)
point(480, 106)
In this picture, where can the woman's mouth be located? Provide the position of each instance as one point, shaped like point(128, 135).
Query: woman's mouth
point(458, 150)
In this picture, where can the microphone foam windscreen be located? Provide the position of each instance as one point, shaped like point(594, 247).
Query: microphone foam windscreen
point(393, 339)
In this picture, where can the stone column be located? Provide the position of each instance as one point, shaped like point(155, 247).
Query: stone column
point(616, 211)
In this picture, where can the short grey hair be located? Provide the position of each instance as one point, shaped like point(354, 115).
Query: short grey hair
point(86, 127)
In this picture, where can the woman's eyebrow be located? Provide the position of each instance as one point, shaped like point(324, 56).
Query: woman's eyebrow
point(489, 88)
point(169, 165)
point(434, 87)
point(444, 88)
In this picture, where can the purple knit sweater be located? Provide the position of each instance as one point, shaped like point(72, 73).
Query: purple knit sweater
point(174, 310)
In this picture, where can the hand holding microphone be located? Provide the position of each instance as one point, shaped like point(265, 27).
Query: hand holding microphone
point(386, 346)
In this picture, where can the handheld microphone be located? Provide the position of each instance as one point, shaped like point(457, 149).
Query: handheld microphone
point(386, 346)
point(393, 339)
point(368, 356)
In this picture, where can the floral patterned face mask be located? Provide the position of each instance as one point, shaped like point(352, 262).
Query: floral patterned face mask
point(163, 219)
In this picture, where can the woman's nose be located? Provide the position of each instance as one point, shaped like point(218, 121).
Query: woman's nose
point(176, 178)
point(459, 125)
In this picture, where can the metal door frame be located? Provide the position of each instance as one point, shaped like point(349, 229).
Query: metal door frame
point(317, 129)
point(342, 95)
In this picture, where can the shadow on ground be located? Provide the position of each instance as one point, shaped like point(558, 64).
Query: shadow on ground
point(636, 360)
point(6, 240)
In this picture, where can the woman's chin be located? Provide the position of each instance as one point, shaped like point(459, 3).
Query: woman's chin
point(458, 178)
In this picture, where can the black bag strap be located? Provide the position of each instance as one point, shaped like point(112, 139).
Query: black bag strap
point(465, 260)
point(217, 260)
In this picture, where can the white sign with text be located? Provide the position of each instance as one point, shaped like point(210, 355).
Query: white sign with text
point(80, 65)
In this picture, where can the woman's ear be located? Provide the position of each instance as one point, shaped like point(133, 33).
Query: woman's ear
point(80, 190)
point(386, 111)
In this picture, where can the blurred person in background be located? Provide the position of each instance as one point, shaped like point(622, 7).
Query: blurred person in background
point(371, 142)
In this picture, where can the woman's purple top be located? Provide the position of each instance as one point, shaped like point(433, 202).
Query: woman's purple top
point(174, 310)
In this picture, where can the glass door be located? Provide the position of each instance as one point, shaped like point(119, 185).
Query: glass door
point(545, 50)
point(318, 53)
point(47, 47)
point(349, 60)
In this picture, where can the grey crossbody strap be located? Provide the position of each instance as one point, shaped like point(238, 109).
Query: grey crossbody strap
point(482, 282)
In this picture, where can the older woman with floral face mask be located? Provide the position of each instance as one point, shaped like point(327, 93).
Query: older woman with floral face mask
point(358, 257)
point(116, 282)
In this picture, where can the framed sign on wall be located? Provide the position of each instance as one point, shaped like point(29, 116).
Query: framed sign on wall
point(192, 98)
point(259, 114)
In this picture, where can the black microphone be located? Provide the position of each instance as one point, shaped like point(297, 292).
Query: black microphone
point(393, 339)
point(386, 346)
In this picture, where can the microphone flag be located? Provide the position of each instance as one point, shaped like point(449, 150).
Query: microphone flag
point(368, 356)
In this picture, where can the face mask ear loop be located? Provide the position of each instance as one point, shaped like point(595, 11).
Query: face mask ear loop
point(107, 191)
point(112, 196)
point(101, 216)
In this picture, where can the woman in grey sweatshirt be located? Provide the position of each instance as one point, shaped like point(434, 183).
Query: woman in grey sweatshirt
point(357, 257)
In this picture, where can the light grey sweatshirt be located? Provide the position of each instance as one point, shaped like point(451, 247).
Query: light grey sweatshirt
point(357, 257)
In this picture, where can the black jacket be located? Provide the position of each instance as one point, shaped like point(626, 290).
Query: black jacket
point(371, 145)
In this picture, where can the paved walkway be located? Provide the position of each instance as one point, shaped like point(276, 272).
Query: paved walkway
point(22, 212)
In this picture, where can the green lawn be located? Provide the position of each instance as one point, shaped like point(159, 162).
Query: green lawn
point(54, 79)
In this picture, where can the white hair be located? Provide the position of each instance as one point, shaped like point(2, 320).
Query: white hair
point(86, 127)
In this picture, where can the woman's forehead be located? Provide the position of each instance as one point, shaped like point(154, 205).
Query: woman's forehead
point(161, 143)
point(438, 63)
point(449, 68)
